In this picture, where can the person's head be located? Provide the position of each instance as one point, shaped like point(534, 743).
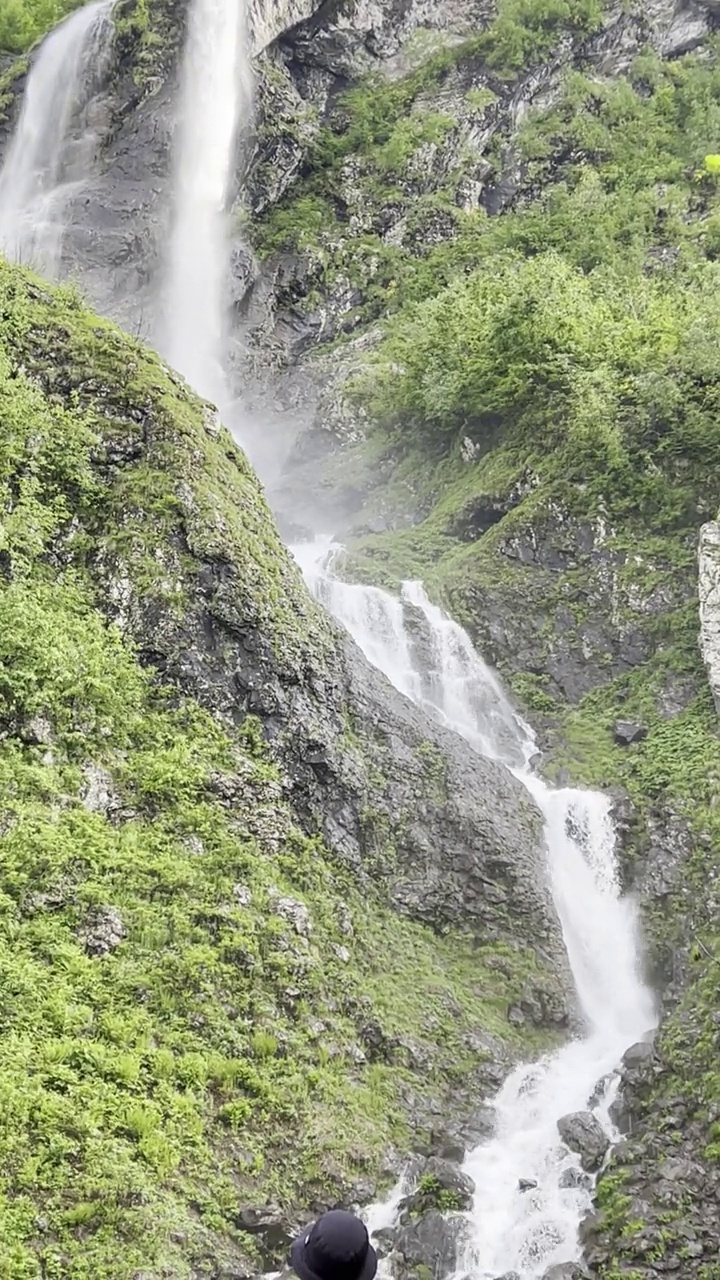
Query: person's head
point(336, 1247)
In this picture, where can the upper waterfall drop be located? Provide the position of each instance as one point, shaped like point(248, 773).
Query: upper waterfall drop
point(431, 659)
point(216, 91)
point(54, 143)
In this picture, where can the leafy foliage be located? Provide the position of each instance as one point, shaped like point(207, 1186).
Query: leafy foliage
point(22, 22)
point(619, 378)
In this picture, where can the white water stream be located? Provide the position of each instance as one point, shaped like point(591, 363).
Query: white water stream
point(55, 141)
point(515, 1231)
point(216, 92)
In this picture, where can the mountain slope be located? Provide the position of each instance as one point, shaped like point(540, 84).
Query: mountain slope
point(224, 981)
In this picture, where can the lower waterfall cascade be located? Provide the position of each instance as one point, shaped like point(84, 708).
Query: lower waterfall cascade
point(529, 1232)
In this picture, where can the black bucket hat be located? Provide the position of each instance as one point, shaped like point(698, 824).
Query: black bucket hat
point(336, 1247)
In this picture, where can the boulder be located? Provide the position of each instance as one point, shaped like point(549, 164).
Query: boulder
point(103, 931)
point(573, 1179)
point(636, 1062)
point(566, 1271)
point(451, 1148)
point(626, 732)
point(448, 1144)
point(296, 914)
point(272, 1231)
point(433, 1242)
point(441, 1185)
point(383, 1241)
point(600, 1091)
point(638, 1056)
point(584, 1135)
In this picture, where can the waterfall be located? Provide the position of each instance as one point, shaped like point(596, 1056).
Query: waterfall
point(55, 142)
point(512, 1231)
point(216, 91)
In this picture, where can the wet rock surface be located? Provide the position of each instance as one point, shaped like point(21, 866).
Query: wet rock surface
point(585, 1136)
point(441, 1185)
point(434, 1242)
point(566, 1271)
point(573, 1179)
point(271, 1229)
point(454, 837)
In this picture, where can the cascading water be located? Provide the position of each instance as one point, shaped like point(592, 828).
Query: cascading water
point(55, 143)
point(216, 91)
point(513, 1231)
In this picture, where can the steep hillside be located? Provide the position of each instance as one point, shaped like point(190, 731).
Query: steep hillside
point(259, 923)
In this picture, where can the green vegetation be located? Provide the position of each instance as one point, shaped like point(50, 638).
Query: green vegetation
point(561, 337)
point(573, 339)
point(524, 32)
point(173, 1043)
point(544, 376)
point(380, 123)
point(430, 1194)
point(22, 22)
point(147, 38)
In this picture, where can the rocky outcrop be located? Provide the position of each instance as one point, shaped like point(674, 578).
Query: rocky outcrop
point(582, 1133)
point(397, 798)
point(434, 1242)
point(566, 1271)
point(442, 1185)
point(401, 801)
point(657, 1177)
point(267, 19)
point(316, 60)
point(709, 592)
point(103, 932)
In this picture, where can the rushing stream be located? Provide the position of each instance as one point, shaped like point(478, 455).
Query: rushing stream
point(512, 1231)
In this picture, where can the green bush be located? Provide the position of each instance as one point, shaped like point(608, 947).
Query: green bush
point(612, 377)
point(22, 22)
